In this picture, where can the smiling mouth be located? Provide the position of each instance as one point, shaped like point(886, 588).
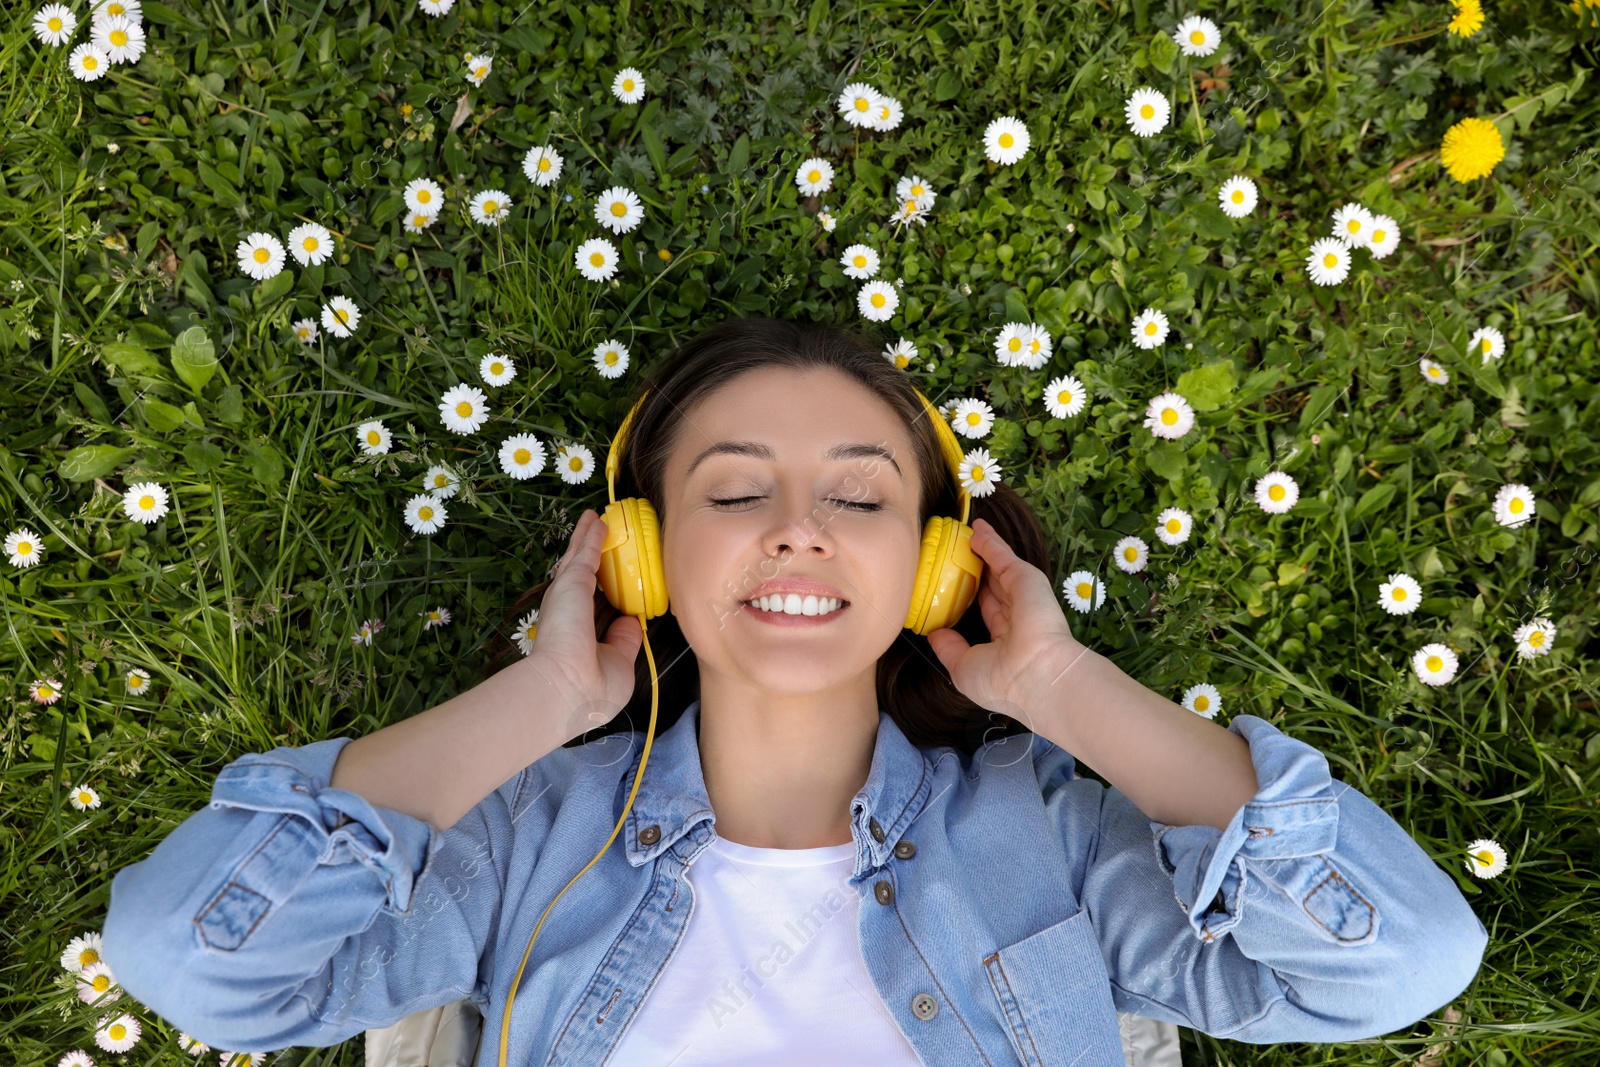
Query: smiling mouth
point(777, 605)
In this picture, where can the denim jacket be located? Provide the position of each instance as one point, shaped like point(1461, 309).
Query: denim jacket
point(1009, 908)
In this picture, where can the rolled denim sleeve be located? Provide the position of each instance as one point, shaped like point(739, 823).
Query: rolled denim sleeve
point(287, 912)
point(1313, 916)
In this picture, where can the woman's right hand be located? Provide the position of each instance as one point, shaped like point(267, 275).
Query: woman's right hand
point(596, 677)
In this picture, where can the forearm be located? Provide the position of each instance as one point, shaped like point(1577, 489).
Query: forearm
point(437, 765)
point(1176, 766)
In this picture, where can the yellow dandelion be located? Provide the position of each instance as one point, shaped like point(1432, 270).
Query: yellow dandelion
point(1471, 149)
point(1468, 18)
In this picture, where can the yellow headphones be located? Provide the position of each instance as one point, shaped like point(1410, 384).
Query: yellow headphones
point(631, 575)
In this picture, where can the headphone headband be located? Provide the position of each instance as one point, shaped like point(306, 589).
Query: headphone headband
point(949, 447)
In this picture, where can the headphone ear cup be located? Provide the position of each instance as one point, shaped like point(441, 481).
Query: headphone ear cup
point(655, 576)
point(630, 559)
point(948, 573)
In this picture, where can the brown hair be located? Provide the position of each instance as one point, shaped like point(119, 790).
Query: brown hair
point(913, 686)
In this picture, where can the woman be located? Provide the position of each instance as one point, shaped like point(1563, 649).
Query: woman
point(836, 849)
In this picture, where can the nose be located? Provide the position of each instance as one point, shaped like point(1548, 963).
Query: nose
point(798, 525)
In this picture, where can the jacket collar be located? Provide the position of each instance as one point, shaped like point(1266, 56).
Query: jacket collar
point(672, 797)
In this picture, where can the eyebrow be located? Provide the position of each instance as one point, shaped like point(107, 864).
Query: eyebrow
point(760, 451)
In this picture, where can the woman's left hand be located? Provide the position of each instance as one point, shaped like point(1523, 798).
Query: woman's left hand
point(1029, 639)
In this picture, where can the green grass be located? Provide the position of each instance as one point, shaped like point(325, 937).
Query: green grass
point(256, 114)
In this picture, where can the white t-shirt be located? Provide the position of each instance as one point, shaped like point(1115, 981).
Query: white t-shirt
point(769, 972)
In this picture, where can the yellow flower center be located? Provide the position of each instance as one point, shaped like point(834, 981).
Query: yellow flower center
point(859, 261)
point(596, 259)
point(973, 418)
point(497, 368)
point(1434, 663)
point(373, 437)
point(342, 315)
point(1484, 857)
point(423, 196)
point(55, 24)
point(544, 162)
point(1536, 638)
point(619, 209)
point(147, 501)
point(85, 798)
point(611, 357)
point(1434, 371)
point(90, 62)
point(23, 548)
point(1169, 416)
point(262, 255)
point(977, 474)
point(627, 85)
point(901, 361)
point(1330, 261)
point(1197, 37)
point(425, 513)
point(1173, 526)
point(1130, 553)
point(521, 456)
point(1150, 328)
point(1238, 196)
point(119, 38)
point(1033, 345)
point(1015, 344)
point(1399, 594)
point(1487, 344)
point(463, 409)
point(116, 9)
point(1084, 589)
point(575, 463)
point(916, 190)
point(406, 109)
point(533, 630)
point(135, 681)
point(481, 72)
point(310, 244)
point(863, 104)
point(1006, 140)
point(1277, 492)
point(440, 481)
point(1354, 225)
point(1378, 236)
point(419, 221)
point(878, 300)
point(101, 983)
point(1516, 505)
point(663, 254)
point(1201, 703)
point(883, 112)
point(1064, 397)
point(88, 956)
point(813, 175)
point(490, 207)
point(118, 1031)
point(1147, 112)
point(46, 691)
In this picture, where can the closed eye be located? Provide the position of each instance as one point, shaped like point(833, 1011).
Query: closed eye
point(857, 504)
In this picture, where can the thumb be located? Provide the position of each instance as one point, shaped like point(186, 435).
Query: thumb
point(625, 635)
point(948, 645)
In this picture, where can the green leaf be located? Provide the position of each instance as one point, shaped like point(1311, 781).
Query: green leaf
point(1167, 461)
point(230, 405)
point(88, 462)
point(387, 210)
point(1207, 388)
point(1210, 222)
point(194, 357)
point(91, 402)
point(1016, 306)
point(653, 147)
point(202, 456)
point(265, 463)
point(739, 158)
point(819, 11)
point(131, 359)
point(162, 417)
point(948, 86)
point(273, 289)
point(223, 189)
point(1373, 499)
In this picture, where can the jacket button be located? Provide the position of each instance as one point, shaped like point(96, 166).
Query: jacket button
point(877, 831)
point(884, 892)
point(924, 1006)
point(650, 835)
point(904, 850)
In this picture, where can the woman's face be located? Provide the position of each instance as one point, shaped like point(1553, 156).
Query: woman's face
point(751, 496)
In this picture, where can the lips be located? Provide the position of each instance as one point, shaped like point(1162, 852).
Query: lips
point(802, 587)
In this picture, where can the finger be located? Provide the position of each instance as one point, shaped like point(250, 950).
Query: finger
point(998, 559)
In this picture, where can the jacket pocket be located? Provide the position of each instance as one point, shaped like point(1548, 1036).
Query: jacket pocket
point(1055, 993)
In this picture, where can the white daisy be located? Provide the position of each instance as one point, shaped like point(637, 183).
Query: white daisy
point(1513, 505)
point(120, 37)
point(1065, 397)
point(1400, 595)
point(97, 985)
point(1131, 554)
point(490, 207)
point(463, 408)
point(417, 223)
point(23, 548)
point(54, 24)
point(496, 369)
point(527, 631)
point(886, 114)
point(628, 85)
point(902, 353)
point(193, 1045)
point(522, 456)
point(435, 617)
point(972, 417)
point(827, 220)
point(1434, 663)
point(117, 1034)
point(305, 330)
point(611, 358)
point(137, 679)
point(83, 950)
point(145, 502)
point(979, 473)
point(44, 690)
point(441, 481)
point(1197, 36)
point(88, 62)
point(1276, 492)
point(1487, 342)
point(373, 437)
point(478, 68)
point(424, 197)
point(1534, 638)
point(436, 7)
point(1012, 342)
point(912, 187)
point(1147, 112)
point(1083, 590)
point(365, 632)
point(1352, 224)
point(310, 243)
point(597, 259)
point(859, 104)
point(1385, 236)
point(1149, 328)
point(83, 797)
point(1238, 196)
point(426, 513)
point(1036, 347)
point(815, 176)
point(1329, 261)
point(243, 1059)
point(860, 262)
point(542, 165)
point(1169, 415)
point(1173, 526)
point(618, 209)
point(76, 1058)
point(1433, 372)
point(574, 463)
point(340, 316)
point(107, 9)
point(1485, 858)
point(1006, 140)
point(877, 301)
point(260, 256)
point(1203, 699)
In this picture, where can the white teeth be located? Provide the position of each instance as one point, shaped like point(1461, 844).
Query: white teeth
point(795, 604)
